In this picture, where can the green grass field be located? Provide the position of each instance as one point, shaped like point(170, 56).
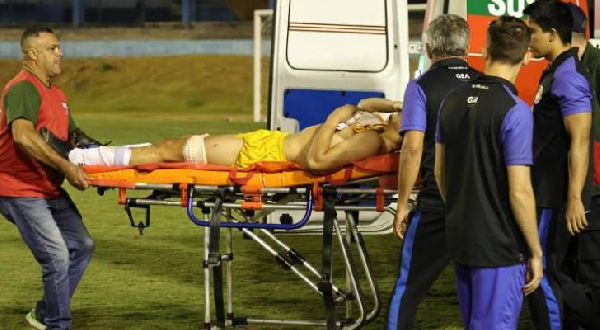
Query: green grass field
point(155, 281)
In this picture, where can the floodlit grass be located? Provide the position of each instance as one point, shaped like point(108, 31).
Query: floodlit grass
point(155, 281)
point(217, 85)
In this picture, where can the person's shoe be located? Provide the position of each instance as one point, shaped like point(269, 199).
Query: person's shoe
point(34, 320)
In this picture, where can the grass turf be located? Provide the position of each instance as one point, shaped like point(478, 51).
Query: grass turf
point(155, 281)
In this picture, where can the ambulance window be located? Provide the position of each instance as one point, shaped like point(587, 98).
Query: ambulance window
point(338, 35)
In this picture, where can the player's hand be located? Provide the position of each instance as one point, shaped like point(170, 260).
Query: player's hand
point(369, 104)
point(77, 177)
point(401, 221)
point(575, 216)
point(535, 273)
point(343, 113)
point(375, 104)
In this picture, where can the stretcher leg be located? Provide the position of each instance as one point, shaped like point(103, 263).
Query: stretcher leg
point(348, 275)
point(206, 279)
point(358, 294)
point(298, 259)
point(290, 259)
point(325, 286)
point(282, 261)
point(352, 225)
point(215, 261)
point(229, 270)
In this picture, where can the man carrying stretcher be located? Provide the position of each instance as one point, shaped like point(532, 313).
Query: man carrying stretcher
point(347, 135)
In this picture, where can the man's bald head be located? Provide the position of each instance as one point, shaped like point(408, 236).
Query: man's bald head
point(31, 33)
point(41, 52)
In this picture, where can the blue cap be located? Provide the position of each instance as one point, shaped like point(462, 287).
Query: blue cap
point(579, 18)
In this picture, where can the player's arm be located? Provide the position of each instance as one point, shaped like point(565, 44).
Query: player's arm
point(522, 203)
point(408, 171)
point(380, 105)
point(517, 138)
point(323, 157)
point(410, 162)
point(32, 143)
point(578, 126)
point(414, 126)
point(574, 95)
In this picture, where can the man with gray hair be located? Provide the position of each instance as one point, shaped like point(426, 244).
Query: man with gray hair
point(423, 255)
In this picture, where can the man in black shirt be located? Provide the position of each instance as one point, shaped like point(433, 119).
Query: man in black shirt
point(561, 150)
point(583, 260)
point(423, 255)
point(482, 160)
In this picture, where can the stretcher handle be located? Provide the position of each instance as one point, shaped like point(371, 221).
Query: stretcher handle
point(230, 224)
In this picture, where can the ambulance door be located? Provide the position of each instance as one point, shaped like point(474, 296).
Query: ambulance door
point(327, 53)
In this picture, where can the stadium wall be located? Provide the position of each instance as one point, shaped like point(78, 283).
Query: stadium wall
point(242, 47)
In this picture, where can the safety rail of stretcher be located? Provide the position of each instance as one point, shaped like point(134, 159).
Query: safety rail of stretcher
point(186, 199)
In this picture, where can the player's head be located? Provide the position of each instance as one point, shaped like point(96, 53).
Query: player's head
point(508, 41)
point(550, 22)
point(41, 47)
point(447, 36)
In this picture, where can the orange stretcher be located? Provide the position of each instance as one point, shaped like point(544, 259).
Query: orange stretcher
point(262, 174)
point(252, 181)
point(253, 193)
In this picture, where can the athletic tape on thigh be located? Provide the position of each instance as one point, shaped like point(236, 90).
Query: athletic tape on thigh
point(194, 150)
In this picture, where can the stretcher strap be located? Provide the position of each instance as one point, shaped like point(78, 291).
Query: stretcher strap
point(233, 177)
point(325, 285)
point(214, 260)
point(336, 182)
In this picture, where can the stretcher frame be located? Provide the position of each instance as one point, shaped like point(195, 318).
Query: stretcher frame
point(218, 203)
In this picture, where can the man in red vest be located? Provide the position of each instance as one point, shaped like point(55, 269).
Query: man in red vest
point(34, 112)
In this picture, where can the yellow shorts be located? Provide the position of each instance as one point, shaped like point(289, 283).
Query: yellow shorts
point(261, 145)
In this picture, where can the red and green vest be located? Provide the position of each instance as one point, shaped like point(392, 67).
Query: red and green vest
point(26, 97)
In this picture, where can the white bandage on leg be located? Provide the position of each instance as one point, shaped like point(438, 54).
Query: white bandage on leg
point(194, 150)
point(77, 156)
point(101, 156)
point(122, 155)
